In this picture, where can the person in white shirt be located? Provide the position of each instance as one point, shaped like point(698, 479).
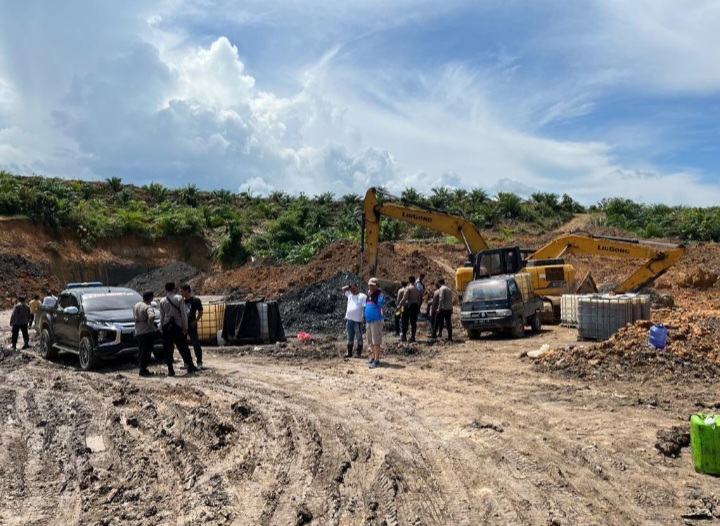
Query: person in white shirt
point(354, 318)
point(49, 300)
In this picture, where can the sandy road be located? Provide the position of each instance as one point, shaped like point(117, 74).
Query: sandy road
point(459, 434)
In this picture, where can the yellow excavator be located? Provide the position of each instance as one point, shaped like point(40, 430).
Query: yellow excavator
point(551, 275)
point(658, 256)
point(482, 260)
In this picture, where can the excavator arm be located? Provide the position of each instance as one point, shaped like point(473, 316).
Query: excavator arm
point(659, 256)
point(432, 218)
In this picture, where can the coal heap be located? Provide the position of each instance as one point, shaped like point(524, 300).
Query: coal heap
point(16, 273)
point(177, 271)
point(321, 306)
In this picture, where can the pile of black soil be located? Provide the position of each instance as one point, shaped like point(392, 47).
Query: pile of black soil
point(178, 271)
point(12, 266)
point(321, 306)
point(20, 277)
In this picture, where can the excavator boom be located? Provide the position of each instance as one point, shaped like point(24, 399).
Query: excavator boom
point(659, 256)
point(432, 218)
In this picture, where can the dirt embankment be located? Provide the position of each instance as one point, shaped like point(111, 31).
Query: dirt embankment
point(33, 260)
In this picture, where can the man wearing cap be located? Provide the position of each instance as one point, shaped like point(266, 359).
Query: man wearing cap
point(354, 317)
point(374, 320)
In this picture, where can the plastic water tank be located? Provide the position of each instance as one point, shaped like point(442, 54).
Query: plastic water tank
point(658, 335)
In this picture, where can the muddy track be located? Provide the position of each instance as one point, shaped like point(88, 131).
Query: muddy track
point(466, 434)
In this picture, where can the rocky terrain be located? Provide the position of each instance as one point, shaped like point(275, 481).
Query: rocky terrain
point(462, 433)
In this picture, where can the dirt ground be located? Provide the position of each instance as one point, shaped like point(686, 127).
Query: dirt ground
point(442, 433)
point(463, 433)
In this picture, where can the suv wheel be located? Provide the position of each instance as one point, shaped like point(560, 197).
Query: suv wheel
point(88, 360)
point(535, 324)
point(474, 334)
point(518, 329)
point(47, 350)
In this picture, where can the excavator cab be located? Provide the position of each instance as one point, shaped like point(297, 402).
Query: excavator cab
point(498, 261)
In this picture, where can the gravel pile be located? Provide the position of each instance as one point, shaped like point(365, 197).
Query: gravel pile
point(321, 306)
point(177, 271)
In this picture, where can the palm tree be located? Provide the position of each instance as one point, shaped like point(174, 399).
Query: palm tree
point(157, 192)
point(508, 205)
point(412, 195)
point(440, 197)
point(325, 198)
point(115, 183)
point(189, 195)
point(224, 196)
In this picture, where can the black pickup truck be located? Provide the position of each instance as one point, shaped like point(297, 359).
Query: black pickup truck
point(500, 303)
point(93, 321)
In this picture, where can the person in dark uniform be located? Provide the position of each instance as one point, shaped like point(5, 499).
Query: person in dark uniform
point(145, 330)
point(19, 320)
point(194, 309)
point(174, 322)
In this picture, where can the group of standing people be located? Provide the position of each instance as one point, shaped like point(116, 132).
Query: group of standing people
point(179, 316)
point(409, 304)
point(23, 315)
point(366, 309)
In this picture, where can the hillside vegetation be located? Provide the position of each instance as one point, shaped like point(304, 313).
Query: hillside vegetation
point(294, 228)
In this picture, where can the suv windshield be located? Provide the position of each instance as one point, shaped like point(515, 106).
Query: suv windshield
point(114, 300)
point(488, 290)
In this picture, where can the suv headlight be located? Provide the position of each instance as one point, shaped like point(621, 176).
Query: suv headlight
point(504, 312)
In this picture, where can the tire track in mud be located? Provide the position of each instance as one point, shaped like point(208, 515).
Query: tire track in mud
point(256, 443)
point(392, 468)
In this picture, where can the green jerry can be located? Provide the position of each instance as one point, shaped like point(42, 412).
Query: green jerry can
point(705, 443)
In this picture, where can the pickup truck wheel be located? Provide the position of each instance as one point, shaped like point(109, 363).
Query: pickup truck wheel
point(88, 360)
point(159, 354)
point(518, 329)
point(535, 324)
point(47, 350)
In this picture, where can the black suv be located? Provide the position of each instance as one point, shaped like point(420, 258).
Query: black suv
point(93, 321)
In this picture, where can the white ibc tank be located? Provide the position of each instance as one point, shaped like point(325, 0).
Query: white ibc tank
point(599, 317)
point(569, 310)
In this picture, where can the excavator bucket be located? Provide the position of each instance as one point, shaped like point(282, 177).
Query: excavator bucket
point(587, 285)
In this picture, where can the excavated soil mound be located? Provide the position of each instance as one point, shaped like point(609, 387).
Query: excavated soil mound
point(155, 280)
point(698, 278)
point(396, 261)
point(691, 351)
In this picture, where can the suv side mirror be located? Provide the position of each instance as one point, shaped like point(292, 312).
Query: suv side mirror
point(71, 310)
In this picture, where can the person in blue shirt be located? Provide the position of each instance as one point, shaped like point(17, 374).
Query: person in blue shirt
point(374, 320)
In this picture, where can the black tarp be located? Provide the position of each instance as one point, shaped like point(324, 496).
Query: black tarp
point(252, 322)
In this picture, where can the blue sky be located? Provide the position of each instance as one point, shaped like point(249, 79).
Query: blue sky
point(596, 99)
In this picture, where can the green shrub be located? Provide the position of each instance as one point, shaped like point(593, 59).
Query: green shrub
point(230, 250)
